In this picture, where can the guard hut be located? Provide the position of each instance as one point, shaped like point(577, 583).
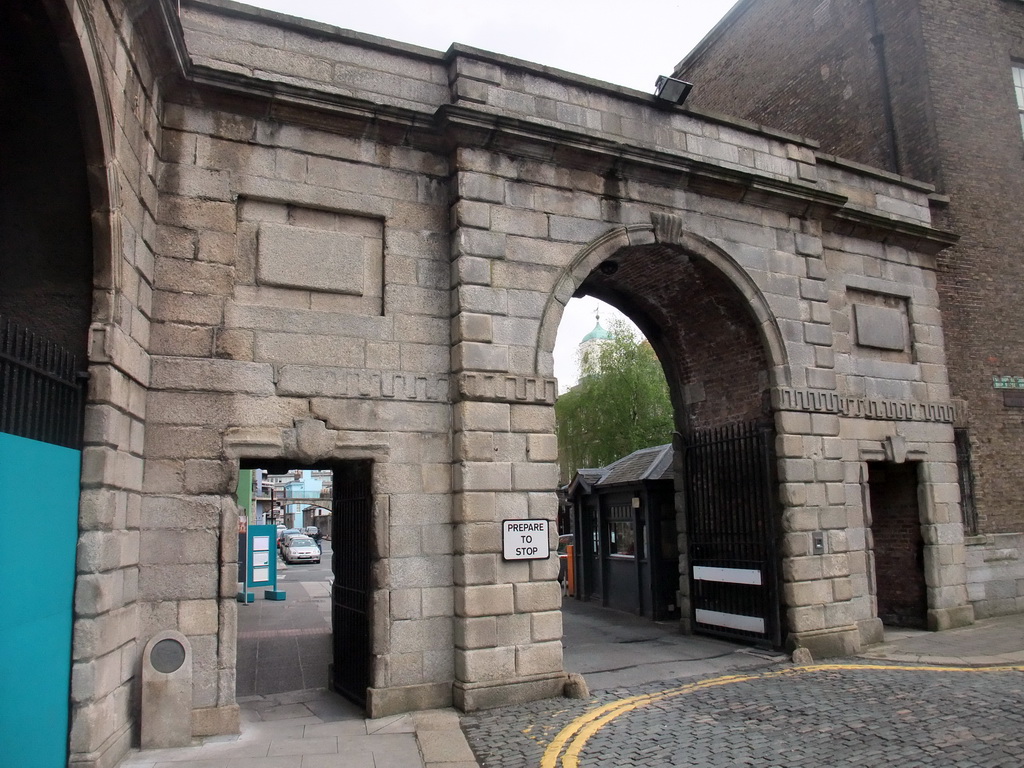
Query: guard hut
point(624, 518)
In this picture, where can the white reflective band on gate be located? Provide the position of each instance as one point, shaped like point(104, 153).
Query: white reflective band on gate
point(727, 575)
point(731, 620)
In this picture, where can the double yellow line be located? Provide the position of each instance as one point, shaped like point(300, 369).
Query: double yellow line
point(564, 750)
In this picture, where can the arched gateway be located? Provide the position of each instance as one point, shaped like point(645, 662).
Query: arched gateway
point(334, 251)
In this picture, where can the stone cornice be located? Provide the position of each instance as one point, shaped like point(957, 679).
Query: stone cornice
point(505, 388)
point(869, 225)
point(825, 401)
point(453, 125)
point(488, 128)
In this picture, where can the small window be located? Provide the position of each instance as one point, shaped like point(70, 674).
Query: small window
point(1018, 88)
point(621, 535)
point(621, 541)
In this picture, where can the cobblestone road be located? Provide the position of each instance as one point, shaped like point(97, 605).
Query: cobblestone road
point(785, 716)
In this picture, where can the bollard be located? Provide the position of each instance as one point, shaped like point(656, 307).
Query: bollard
point(166, 691)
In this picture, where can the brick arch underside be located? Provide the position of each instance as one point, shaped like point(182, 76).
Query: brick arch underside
point(46, 236)
point(699, 324)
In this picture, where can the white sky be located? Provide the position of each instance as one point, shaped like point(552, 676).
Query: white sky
point(627, 44)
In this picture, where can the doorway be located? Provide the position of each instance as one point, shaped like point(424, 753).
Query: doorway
point(315, 632)
point(898, 545)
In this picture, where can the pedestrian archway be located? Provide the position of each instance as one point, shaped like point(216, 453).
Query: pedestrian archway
point(313, 628)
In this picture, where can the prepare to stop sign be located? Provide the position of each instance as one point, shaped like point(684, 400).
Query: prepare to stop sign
point(525, 539)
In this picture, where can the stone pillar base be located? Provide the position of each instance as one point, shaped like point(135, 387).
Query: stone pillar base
point(470, 697)
point(828, 643)
point(216, 721)
point(381, 702)
point(107, 756)
point(872, 631)
point(950, 618)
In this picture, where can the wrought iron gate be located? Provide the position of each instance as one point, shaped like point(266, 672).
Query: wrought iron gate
point(350, 595)
point(41, 388)
point(731, 511)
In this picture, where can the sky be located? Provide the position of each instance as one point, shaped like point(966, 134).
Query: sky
point(627, 44)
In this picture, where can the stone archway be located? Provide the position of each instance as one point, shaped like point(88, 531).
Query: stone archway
point(666, 230)
point(722, 352)
point(46, 218)
point(54, 252)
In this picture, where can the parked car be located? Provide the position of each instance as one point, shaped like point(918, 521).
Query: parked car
point(286, 534)
point(300, 549)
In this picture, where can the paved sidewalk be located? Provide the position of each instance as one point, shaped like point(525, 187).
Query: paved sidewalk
point(318, 729)
point(987, 642)
point(619, 650)
point(289, 718)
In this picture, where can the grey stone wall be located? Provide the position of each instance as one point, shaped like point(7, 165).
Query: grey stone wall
point(995, 573)
point(372, 263)
point(122, 146)
point(282, 306)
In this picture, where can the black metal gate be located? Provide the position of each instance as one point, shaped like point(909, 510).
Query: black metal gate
point(41, 388)
point(350, 595)
point(731, 511)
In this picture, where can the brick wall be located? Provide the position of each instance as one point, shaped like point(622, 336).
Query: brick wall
point(780, 59)
point(712, 350)
point(898, 545)
point(981, 151)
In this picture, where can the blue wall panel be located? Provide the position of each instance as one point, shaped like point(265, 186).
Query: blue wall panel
point(37, 579)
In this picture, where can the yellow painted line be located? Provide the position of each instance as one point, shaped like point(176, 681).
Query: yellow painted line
point(569, 742)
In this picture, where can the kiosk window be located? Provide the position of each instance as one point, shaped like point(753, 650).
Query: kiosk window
point(621, 536)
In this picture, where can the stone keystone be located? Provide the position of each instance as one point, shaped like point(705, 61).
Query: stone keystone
point(313, 441)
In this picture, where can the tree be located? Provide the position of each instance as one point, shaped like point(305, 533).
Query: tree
point(620, 405)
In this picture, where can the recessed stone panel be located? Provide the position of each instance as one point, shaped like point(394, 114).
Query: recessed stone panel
point(880, 327)
point(316, 260)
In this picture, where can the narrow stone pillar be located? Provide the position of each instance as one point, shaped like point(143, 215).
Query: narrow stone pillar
point(166, 691)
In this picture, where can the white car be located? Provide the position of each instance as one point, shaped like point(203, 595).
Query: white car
point(300, 549)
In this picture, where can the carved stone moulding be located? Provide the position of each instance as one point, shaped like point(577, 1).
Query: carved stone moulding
point(505, 388)
point(824, 401)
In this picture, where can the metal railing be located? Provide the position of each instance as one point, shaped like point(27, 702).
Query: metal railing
point(965, 476)
point(41, 389)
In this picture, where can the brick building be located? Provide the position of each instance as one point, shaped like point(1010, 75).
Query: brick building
point(934, 91)
point(276, 244)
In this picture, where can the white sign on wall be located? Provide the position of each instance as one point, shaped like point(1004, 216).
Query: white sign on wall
point(525, 540)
